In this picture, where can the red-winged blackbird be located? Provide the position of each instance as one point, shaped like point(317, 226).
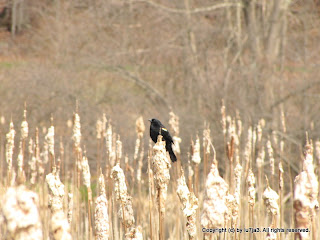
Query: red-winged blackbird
point(157, 127)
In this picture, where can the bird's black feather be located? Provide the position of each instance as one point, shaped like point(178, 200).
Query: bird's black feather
point(156, 128)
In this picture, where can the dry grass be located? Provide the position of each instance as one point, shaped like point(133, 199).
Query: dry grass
point(141, 197)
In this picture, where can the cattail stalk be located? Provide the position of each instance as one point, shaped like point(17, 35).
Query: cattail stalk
point(87, 183)
point(24, 135)
point(306, 194)
point(101, 212)
point(196, 159)
point(21, 177)
point(56, 191)
point(271, 160)
point(251, 181)
point(189, 205)
point(120, 189)
point(215, 209)
point(50, 142)
point(70, 207)
point(281, 194)
point(9, 152)
point(206, 150)
point(161, 166)
point(270, 198)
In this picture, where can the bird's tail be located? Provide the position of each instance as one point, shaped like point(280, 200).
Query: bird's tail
point(171, 153)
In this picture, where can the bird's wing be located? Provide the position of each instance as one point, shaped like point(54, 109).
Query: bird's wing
point(166, 135)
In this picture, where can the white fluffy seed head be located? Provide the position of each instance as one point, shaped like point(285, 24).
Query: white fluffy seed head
point(214, 205)
point(196, 152)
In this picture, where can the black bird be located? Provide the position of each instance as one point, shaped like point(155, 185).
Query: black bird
point(157, 127)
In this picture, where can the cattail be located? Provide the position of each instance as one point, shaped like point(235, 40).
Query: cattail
point(189, 205)
point(9, 150)
point(261, 157)
point(283, 122)
point(280, 176)
point(251, 181)
point(109, 145)
point(237, 176)
point(161, 166)
point(317, 148)
point(140, 127)
point(232, 209)
point(214, 205)
point(76, 137)
point(19, 208)
point(70, 207)
point(270, 198)
point(24, 126)
point(86, 171)
point(49, 138)
point(248, 150)
point(40, 161)
point(140, 165)
point(32, 162)
point(134, 234)
point(120, 188)
point(56, 191)
point(60, 227)
point(196, 152)
point(2, 120)
point(87, 182)
point(223, 119)
point(104, 125)
point(119, 149)
point(239, 125)
point(174, 123)
point(251, 188)
point(305, 194)
point(206, 140)
point(21, 174)
point(190, 173)
point(99, 129)
point(101, 212)
point(270, 155)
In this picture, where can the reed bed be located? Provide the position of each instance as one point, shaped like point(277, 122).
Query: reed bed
point(247, 191)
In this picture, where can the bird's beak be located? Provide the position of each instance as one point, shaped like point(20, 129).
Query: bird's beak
point(149, 120)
